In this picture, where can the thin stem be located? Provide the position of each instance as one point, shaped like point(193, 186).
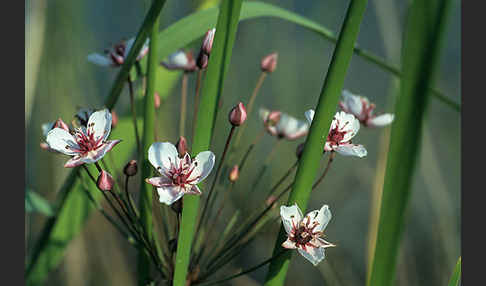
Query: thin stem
point(131, 207)
point(182, 121)
point(196, 99)
point(331, 158)
point(218, 171)
point(264, 168)
point(134, 114)
point(249, 108)
point(289, 171)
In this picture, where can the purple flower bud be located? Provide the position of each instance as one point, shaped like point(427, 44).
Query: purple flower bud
point(105, 181)
point(131, 168)
point(182, 146)
point(202, 60)
point(237, 115)
point(269, 63)
point(207, 44)
point(157, 100)
point(60, 124)
point(234, 174)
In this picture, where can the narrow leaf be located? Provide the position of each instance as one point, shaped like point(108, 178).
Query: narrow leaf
point(456, 275)
point(36, 203)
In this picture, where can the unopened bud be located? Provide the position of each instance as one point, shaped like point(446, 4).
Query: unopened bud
point(299, 150)
point(177, 207)
point(207, 44)
point(202, 60)
point(273, 117)
point(269, 63)
point(114, 119)
point(60, 124)
point(157, 100)
point(237, 115)
point(182, 146)
point(105, 181)
point(131, 168)
point(234, 174)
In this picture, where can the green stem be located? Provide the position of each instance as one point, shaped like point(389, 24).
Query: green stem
point(134, 114)
point(213, 86)
point(146, 190)
point(326, 107)
point(182, 121)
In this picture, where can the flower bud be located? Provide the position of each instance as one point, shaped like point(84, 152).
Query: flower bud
point(114, 119)
point(269, 63)
point(237, 115)
point(273, 117)
point(182, 146)
point(202, 60)
point(105, 181)
point(234, 174)
point(270, 200)
point(131, 168)
point(157, 100)
point(60, 124)
point(299, 150)
point(207, 44)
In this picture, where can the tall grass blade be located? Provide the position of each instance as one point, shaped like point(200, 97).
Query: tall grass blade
point(423, 34)
point(213, 85)
point(326, 108)
point(456, 275)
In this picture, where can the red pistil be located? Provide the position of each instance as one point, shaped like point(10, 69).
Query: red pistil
point(304, 234)
point(180, 174)
point(86, 142)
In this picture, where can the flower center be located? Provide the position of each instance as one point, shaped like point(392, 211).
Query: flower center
point(304, 233)
point(335, 136)
point(86, 141)
point(180, 174)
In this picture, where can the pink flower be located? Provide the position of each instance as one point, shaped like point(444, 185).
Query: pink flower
point(116, 56)
point(304, 233)
point(269, 63)
point(343, 128)
point(105, 181)
point(237, 115)
point(361, 107)
point(283, 125)
point(87, 144)
point(179, 176)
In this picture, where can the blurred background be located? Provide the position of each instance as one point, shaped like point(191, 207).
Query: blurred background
point(59, 36)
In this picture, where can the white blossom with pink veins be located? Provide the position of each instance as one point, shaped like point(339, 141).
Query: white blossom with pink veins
point(115, 56)
point(87, 144)
point(179, 176)
point(343, 128)
point(361, 107)
point(304, 233)
point(282, 125)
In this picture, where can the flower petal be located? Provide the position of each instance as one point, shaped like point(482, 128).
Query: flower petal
point(168, 195)
point(380, 120)
point(290, 216)
point(346, 123)
point(46, 127)
point(62, 141)
point(291, 127)
point(352, 102)
point(99, 153)
point(204, 163)
point(321, 217)
point(322, 243)
point(74, 162)
point(99, 59)
point(159, 182)
point(313, 254)
point(309, 115)
point(351, 150)
point(289, 244)
point(100, 124)
point(194, 190)
point(161, 155)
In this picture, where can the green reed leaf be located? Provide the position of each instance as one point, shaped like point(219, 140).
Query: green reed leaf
point(422, 38)
point(36, 203)
point(326, 108)
point(217, 67)
point(456, 275)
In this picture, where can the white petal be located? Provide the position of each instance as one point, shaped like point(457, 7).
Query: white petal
point(161, 155)
point(351, 150)
point(290, 216)
point(289, 244)
point(204, 163)
point(142, 52)
point(59, 138)
point(74, 162)
point(313, 254)
point(309, 114)
point(381, 120)
point(321, 217)
point(347, 123)
point(99, 59)
point(159, 182)
point(194, 190)
point(290, 127)
point(352, 102)
point(99, 153)
point(178, 59)
point(168, 195)
point(100, 124)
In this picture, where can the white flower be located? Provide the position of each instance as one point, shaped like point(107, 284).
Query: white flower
point(87, 144)
point(46, 127)
point(116, 56)
point(361, 107)
point(180, 60)
point(304, 233)
point(343, 128)
point(179, 176)
point(283, 125)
